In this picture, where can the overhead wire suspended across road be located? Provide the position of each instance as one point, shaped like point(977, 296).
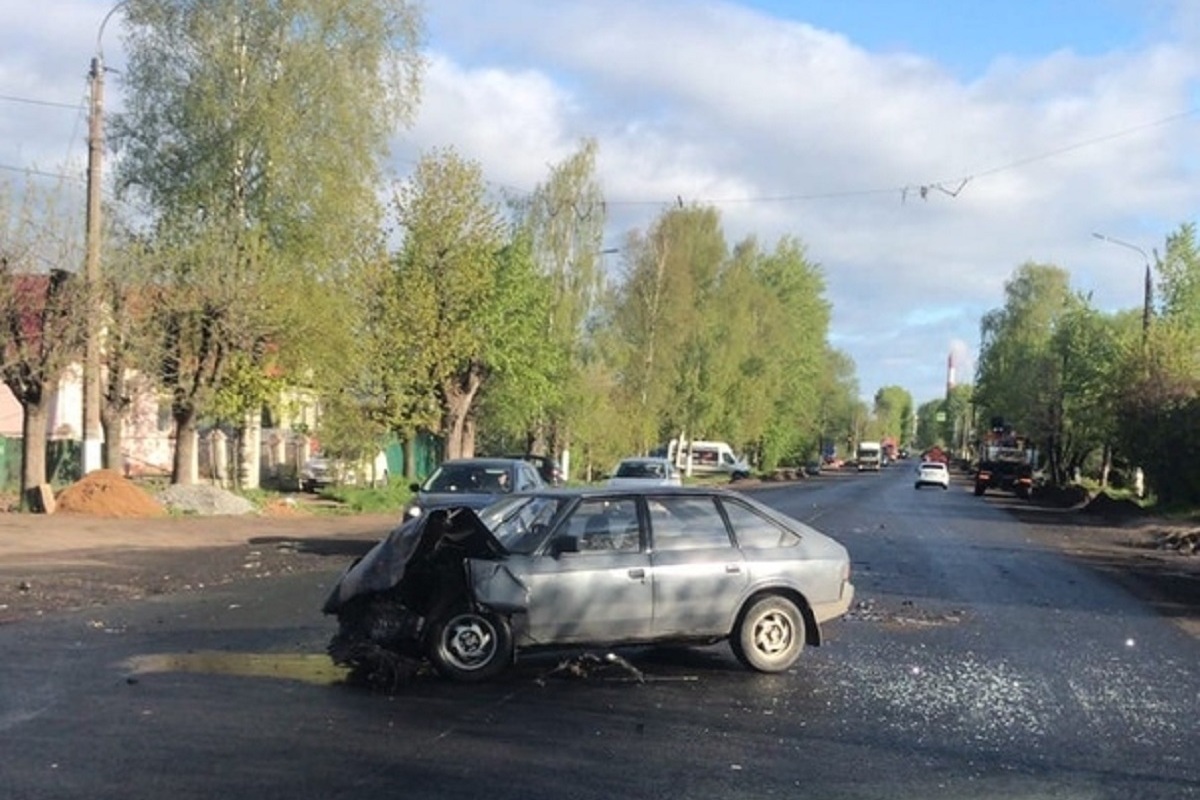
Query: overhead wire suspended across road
point(950, 187)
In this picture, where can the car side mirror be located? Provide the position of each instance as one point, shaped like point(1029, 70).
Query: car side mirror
point(564, 544)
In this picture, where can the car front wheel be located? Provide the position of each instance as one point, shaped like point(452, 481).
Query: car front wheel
point(469, 646)
point(769, 635)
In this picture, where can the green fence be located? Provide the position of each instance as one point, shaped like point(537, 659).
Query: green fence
point(64, 462)
point(427, 449)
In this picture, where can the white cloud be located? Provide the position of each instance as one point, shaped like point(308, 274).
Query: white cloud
point(789, 130)
point(719, 104)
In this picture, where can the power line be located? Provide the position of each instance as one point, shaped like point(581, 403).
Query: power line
point(39, 173)
point(949, 187)
point(49, 103)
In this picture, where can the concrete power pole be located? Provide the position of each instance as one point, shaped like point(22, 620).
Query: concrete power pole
point(92, 434)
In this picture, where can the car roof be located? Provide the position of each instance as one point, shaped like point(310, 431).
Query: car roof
point(486, 462)
point(626, 490)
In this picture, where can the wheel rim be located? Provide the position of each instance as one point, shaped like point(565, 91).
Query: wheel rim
point(774, 634)
point(469, 642)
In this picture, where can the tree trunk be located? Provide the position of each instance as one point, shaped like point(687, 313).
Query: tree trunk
point(183, 467)
point(112, 410)
point(458, 395)
point(470, 429)
point(410, 457)
point(33, 428)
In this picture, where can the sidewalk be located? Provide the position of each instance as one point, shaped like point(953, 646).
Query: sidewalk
point(43, 538)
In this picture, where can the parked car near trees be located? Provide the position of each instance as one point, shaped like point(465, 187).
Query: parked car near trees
point(473, 483)
point(469, 591)
point(547, 466)
point(645, 471)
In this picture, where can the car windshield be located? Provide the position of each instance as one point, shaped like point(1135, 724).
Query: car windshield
point(641, 469)
point(521, 523)
point(470, 478)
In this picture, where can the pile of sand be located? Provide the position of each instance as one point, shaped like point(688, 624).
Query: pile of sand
point(106, 493)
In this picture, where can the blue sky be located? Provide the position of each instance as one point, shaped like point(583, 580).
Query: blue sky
point(921, 151)
point(966, 35)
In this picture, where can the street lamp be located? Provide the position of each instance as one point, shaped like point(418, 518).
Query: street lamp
point(1147, 290)
point(92, 437)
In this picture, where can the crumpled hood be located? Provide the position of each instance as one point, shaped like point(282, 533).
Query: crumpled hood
point(476, 500)
point(411, 545)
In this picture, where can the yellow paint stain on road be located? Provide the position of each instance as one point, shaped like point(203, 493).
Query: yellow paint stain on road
point(305, 667)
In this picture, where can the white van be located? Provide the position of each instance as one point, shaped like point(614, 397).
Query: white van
point(708, 458)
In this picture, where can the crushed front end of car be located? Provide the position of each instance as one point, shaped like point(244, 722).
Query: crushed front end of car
point(387, 602)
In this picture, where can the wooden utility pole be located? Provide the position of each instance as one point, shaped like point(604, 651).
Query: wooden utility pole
point(92, 436)
point(93, 433)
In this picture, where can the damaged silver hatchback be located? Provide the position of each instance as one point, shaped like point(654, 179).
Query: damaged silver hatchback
point(467, 591)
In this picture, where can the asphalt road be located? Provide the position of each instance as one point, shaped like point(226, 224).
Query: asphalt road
point(978, 664)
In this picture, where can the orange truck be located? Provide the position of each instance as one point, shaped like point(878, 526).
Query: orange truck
point(936, 453)
point(1006, 463)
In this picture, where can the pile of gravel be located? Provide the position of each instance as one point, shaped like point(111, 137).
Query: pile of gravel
point(204, 499)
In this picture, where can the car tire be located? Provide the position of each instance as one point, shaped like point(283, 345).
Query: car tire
point(469, 646)
point(979, 490)
point(916, 486)
point(769, 635)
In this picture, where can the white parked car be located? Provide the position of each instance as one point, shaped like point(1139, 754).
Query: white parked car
point(933, 473)
point(645, 471)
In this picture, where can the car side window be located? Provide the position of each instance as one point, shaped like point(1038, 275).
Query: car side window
point(686, 523)
point(752, 529)
point(605, 525)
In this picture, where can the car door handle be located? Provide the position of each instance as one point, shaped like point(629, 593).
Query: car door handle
point(733, 569)
point(637, 573)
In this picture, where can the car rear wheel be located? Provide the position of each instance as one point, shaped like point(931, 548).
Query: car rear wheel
point(769, 635)
point(469, 646)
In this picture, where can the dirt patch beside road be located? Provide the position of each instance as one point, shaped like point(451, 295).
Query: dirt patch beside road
point(65, 561)
point(1150, 556)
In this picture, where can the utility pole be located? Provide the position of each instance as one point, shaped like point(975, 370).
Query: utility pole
point(92, 435)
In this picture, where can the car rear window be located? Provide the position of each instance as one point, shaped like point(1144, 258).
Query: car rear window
point(753, 530)
point(640, 469)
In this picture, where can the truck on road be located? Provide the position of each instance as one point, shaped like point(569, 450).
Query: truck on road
point(1006, 462)
point(868, 456)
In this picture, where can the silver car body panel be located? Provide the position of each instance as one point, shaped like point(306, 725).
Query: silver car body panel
point(610, 596)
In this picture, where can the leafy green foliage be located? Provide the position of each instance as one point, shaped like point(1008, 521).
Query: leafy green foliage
point(253, 136)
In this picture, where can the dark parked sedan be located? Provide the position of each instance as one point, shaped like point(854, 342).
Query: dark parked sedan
point(472, 482)
point(588, 567)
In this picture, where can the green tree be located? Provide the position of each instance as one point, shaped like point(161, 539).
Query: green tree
point(894, 410)
point(253, 135)
point(474, 301)
point(665, 315)
point(1179, 278)
point(1159, 407)
point(1019, 377)
point(564, 219)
